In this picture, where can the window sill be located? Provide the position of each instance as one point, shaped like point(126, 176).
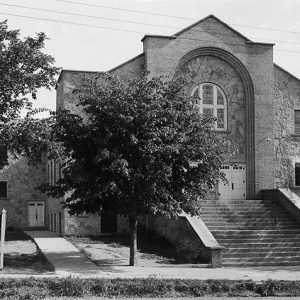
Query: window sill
point(4, 199)
point(295, 135)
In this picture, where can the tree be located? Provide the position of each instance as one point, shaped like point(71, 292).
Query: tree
point(24, 68)
point(135, 148)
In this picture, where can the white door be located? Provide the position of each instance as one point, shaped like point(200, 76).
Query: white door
point(225, 189)
point(235, 188)
point(36, 213)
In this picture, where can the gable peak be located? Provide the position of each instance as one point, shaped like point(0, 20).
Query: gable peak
point(211, 16)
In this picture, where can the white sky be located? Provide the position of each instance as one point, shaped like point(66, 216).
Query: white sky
point(94, 49)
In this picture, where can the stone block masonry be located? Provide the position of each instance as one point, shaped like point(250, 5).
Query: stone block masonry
point(22, 179)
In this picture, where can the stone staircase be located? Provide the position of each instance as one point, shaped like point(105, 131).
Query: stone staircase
point(253, 232)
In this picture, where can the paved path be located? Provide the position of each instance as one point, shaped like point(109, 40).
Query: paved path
point(63, 255)
point(67, 259)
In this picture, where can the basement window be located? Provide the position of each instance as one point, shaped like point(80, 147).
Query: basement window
point(3, 189)
point(297, 174)
point(297, 122)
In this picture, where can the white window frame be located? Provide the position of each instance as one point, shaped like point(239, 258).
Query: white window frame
point(215, 106)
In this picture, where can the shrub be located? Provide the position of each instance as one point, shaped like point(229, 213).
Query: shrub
point(186, 252)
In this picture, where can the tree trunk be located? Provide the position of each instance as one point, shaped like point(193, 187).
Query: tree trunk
point(133, 240)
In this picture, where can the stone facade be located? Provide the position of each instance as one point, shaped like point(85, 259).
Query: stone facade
point(253, 62)
point(22, 179)
point(214, 70)
point(261, 97)
point(261, 100)
point(286, 143)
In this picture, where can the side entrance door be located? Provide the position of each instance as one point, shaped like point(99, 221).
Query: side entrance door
point(36, 211)
point(235, 188)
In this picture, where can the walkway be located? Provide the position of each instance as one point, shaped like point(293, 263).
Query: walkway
point(63, 255)
point(68, 260)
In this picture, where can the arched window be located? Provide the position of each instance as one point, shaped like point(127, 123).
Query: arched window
point(211, 101)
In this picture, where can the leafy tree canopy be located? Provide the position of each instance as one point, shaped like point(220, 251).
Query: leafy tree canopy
point(131, 148)
point(24, 68)
point(135, 148)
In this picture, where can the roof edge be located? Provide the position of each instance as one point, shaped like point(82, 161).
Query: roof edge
point(75, 71)
point(260, 43)
point(287, 72)
point(126, 62)
point(211, 16)
point(158, 36)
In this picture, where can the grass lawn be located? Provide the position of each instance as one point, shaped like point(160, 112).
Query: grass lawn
point(114, 250)
point(21, 255)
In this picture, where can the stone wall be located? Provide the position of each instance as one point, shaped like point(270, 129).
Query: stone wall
point(286, 144)
point(186, 230)
point(22, 179)
point(214, 70)
point(66, 84)
point(82, 225)
point(54, 208)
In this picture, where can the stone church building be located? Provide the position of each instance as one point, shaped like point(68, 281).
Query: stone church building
point(257, 105)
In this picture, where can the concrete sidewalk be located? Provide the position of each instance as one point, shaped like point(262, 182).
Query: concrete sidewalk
point(64, 256)
point(68, 260)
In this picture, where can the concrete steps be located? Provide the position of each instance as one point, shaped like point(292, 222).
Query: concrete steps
point(253, 232)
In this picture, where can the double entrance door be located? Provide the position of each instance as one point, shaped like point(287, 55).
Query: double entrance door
point(235, 188)
point(36, 213)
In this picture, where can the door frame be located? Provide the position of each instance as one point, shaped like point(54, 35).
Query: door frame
point(231, 164)
point(36, 202)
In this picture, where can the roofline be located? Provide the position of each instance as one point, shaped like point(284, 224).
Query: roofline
point(126, 62)
point(158, 36)
point(285, 71)
point(75, 71)
point(261, 43)
point(211, 16)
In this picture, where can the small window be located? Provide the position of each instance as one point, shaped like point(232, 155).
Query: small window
point(297, 174)
point(54, 172)
point(51, 172)
point(3, 189)
point(60, 171)
point(3, 155)
point(54, 229)
point(51, 222)
point(211, 103)
point(48, 172)
point(297, 122)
